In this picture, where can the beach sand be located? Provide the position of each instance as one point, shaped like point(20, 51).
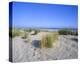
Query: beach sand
point(64, 48)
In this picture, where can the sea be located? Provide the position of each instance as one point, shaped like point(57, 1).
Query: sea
point(57, 29)
point(50, 29)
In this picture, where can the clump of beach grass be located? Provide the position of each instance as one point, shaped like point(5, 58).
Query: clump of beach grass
point(43, 42)
point(14, 32)
point(48, 40)
point(55, 36)
point(25, 35)
point(36, 31)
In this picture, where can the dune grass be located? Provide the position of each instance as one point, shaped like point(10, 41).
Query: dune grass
point(14, 32)
point(36, 31)
point(25, 34)
point(48, 40)
point(43, 42)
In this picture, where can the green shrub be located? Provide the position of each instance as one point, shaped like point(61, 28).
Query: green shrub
point(63, 32)
point(67, 32)
point(76, 33)
point(35, 32)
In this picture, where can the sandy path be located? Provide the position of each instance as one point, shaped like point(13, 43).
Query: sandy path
point(21, 50)
point(65, 48)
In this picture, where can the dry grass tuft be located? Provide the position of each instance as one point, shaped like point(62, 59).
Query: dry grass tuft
point(48, 40)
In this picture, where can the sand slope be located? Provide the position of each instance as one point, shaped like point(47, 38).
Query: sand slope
point(65, 48)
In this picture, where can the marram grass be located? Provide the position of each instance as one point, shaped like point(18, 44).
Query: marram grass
point(48, 40)
point(25, 35)
point(15, 33)
point(43, 42)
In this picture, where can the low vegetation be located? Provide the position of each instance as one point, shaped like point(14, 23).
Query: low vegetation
point(67, 32)
point(54, 36)
point(36, 31)
point(43, 42)
point(14, 32)
point(29, 30)
point(25, 35)
point(48, 40)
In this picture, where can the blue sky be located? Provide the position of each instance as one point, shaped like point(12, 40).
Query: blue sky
point(44, 15)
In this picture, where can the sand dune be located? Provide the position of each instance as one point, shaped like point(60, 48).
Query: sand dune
point(65, 48)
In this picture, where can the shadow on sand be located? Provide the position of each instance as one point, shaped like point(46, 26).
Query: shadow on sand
point(75, 39)
point(36, 43)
